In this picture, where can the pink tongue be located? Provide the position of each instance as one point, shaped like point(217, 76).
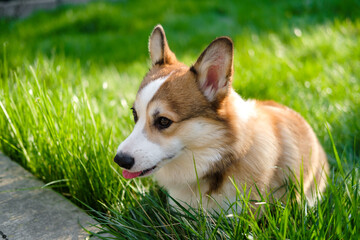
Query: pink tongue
point(130, 175)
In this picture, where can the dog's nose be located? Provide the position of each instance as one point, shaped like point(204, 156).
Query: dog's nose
point(124, 160)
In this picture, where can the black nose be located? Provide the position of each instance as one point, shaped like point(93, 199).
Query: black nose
point(124, 160)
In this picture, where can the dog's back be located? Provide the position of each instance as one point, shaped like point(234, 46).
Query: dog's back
point(283, 146)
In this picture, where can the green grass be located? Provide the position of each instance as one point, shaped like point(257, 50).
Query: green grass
point(68, 77)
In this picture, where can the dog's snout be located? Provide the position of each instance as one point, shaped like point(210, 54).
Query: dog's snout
point(124, 160)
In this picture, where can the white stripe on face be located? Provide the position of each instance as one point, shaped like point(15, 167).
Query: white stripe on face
point(146, 153)
point(146, 94)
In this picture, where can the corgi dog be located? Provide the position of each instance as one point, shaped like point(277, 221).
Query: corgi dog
point(192, 130)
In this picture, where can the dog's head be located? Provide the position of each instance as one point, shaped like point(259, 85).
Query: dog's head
point(177, 108)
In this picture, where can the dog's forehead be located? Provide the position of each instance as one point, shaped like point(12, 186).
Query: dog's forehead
point(157, 72)
point(147, 92)
point(177, 88)
point(155, 78)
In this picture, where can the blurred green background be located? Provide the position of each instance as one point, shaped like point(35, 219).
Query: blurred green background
point(116, 32)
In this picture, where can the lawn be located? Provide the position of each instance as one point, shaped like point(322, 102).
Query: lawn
point(68, 78)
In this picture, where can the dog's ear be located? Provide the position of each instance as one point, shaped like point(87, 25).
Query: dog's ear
point(214, 69)
point(160, 52)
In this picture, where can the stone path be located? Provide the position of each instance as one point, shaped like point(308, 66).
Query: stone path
point(28, 211)
point(23, 8)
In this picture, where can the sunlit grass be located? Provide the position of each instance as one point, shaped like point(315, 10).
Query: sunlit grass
point(68, 79)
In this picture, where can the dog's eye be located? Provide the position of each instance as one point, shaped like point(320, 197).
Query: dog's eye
point(162, 122)
point(134, 114)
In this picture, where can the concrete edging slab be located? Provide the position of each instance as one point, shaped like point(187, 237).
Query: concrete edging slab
point(28, 211)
